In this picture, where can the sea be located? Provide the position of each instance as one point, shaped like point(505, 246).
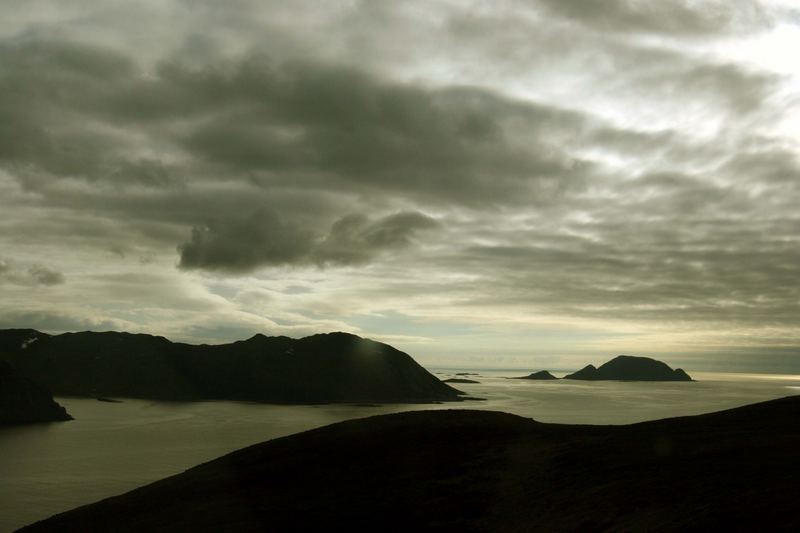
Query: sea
point(111, 448)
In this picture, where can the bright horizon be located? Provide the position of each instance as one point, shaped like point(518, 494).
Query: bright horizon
point(531, 185)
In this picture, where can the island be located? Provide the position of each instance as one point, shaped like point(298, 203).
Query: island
point(462, 470)
point(542, 374)
point(459, 380)
point(324, 368)
point(23, 401)
point(630, 368)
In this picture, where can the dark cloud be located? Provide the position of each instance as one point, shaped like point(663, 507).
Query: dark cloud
point(275, 139)
point(33, 275)
point(338, 126)
point(44, 89)
point(736, 88)
point(354, 239)
point(769, 171)
point(460, 144)
point(45, 276)
point(674, 17)
point(315, 122)
point(311, 126)
point(262, 239)
point(244, 244)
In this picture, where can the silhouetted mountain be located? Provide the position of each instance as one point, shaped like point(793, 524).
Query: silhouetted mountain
point(333, 367)
point(630, 368)
point(588, 372)
point(542, 374)
point(459, 380)
point(23, 401)
point(483, 471)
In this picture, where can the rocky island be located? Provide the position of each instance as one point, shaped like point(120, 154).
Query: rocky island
point(483, 471)
point(542, 374)
point(325, 368)
point(621, 368)
point(630, 368)
point(23, 401)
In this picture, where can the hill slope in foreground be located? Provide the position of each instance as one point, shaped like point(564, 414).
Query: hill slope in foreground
point(333, 367)
point(483, 471)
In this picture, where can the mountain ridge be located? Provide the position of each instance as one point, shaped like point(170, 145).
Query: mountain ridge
point(322, 368)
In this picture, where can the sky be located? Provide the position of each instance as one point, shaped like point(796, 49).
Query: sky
point(509, 184)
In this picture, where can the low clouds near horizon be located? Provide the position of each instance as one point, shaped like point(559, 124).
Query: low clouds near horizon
point(493, 183)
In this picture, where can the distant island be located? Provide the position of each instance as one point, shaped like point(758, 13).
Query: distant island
point(23, 401)
point(542, 374)
point(459, 380)
point(461, 470)
point(325, 368)
point(621, 368)
point(630, 368)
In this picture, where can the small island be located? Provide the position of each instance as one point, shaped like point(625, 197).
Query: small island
point(621, 368)
point(23, 401)
point(541, 375)
point(459, 380)
point(630, 368)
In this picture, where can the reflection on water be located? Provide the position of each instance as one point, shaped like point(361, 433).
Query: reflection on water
point(114, 447)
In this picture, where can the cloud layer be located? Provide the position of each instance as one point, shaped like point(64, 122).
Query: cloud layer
point(612, 175)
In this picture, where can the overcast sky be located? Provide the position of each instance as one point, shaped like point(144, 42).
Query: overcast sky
point(535, 184)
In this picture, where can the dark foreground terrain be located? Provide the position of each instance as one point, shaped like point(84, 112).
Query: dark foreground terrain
point(484, 471)
point(332, 367)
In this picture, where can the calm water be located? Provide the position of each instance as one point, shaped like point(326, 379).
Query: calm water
point(114, 447)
